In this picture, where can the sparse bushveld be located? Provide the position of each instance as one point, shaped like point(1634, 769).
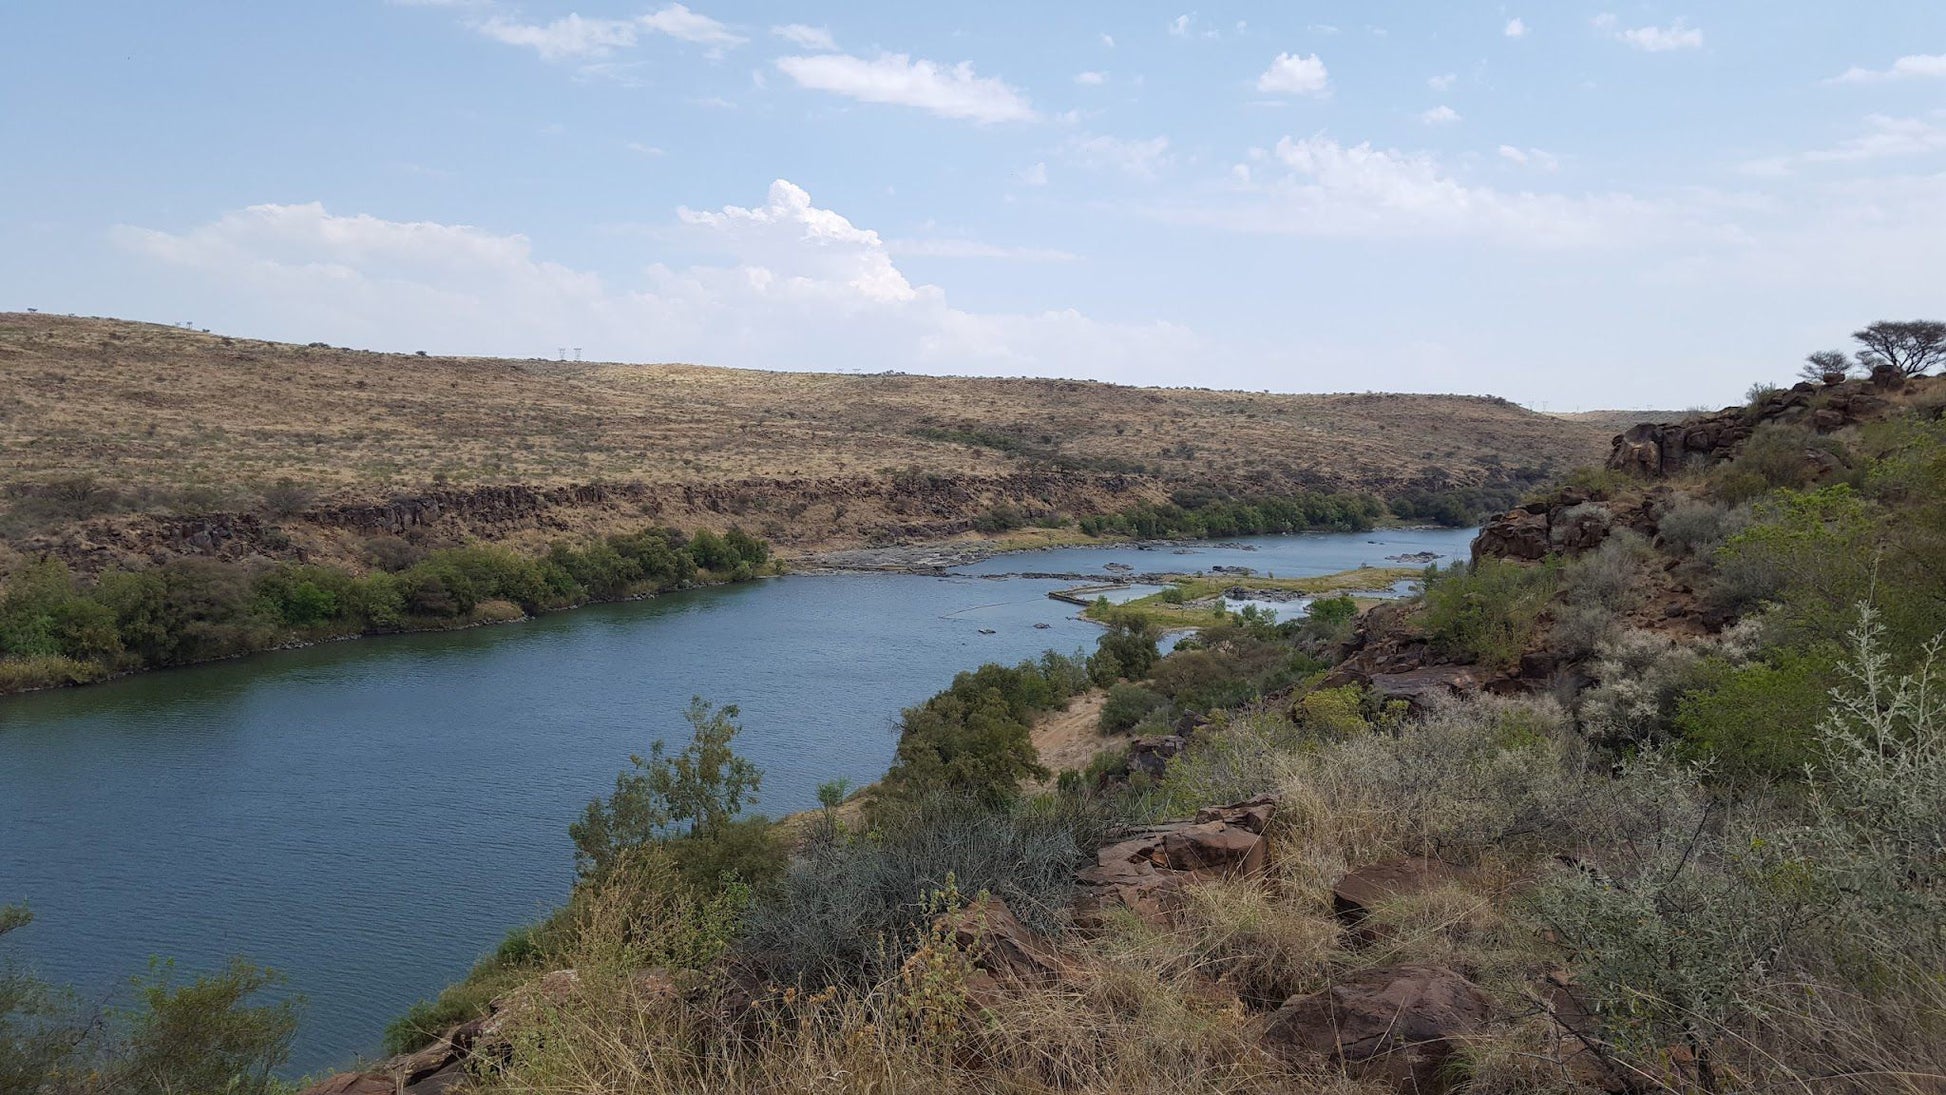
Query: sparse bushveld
point(126, 439)
point(1650, 796)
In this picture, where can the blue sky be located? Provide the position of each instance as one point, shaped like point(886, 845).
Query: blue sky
point(1611, 203)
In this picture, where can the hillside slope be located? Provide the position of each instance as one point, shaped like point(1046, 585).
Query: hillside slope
point(125, 439)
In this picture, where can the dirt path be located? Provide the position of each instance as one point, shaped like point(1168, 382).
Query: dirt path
point(1071, 738)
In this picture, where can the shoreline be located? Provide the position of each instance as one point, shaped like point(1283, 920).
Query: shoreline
point(933, 560)
point(327, 640)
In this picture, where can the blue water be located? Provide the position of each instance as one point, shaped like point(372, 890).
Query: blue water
point(370, 817)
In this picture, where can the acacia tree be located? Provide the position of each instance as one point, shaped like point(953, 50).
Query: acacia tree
point(1912, 347)
point(1824, 363)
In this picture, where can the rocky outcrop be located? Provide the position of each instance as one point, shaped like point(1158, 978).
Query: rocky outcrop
point(905, 506)
point(1144, 871)
point(1398, 1025)
point(1658, 449)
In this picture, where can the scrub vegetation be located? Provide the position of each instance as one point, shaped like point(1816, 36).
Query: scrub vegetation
point(1671, 777)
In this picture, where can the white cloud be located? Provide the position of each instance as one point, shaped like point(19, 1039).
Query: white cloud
point(1443, 82)
point(565, 38)
point(1179, 26)
point(1530, 157)
point(797, 287)
point(955, 92)
point(645, 149)
point(1142, 159)
point(1291, 74)
point(679, 22)
point(1440, 115)
point(957, 248)
point(1108, 41)
point(573, 36)
point(1315, 186)
point(806, 37)
point(1516, 28)
point(1033, 176)
point(1914, 66)
point(1885, 137)
point(1091, 79)
point(1652, 39)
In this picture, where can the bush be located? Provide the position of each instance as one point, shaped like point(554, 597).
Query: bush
point(1128, 704)
point(205, 1035)
point(846, 909)
point(1640, 678)
point(1130, 641)
point(694, 793)
point(1756, 721)
point(1696, 527)
point(1487, 612)
point(973, 739)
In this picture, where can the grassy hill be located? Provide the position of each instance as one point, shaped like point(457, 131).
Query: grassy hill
point(119, 437)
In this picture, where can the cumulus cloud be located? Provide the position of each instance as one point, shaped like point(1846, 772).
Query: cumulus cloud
point(1515, 28)
point(1916, 66)
point(789, 285)
point(1091, 79)
point(950, 92)
point(1140, 158)
point(1652, 39)
point(807, 37)
point(1443, 82)
point(1291, 74)
point(573, 36)
point(1440, 115)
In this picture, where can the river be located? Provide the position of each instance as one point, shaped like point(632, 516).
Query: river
point(370, 817)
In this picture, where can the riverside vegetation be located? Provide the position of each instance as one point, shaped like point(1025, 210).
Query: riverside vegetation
point(1649, 796)
point(59, 628)
point(141, 527)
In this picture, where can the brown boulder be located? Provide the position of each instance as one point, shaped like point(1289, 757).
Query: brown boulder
point(1001, 945)
point(1517, 534)
point(1421, 687)
point(1398, 1025)
point(1144, 870)
point(1361, 891)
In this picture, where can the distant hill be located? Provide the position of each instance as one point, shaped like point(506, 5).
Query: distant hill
point(125, 438)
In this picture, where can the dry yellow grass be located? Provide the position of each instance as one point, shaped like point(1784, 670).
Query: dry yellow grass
point(178, 421)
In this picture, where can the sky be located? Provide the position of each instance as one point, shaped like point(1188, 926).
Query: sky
point(1570, 204)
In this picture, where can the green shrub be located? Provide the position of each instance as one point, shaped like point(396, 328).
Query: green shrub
point(693, 793)
point(205, 1035)
point(973, 739)
point(1487, 612)
point(846, 909)
point(1128, 704)
point(1130, 641)
point(1756, 721)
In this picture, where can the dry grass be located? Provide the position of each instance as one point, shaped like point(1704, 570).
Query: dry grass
point(170, 418)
